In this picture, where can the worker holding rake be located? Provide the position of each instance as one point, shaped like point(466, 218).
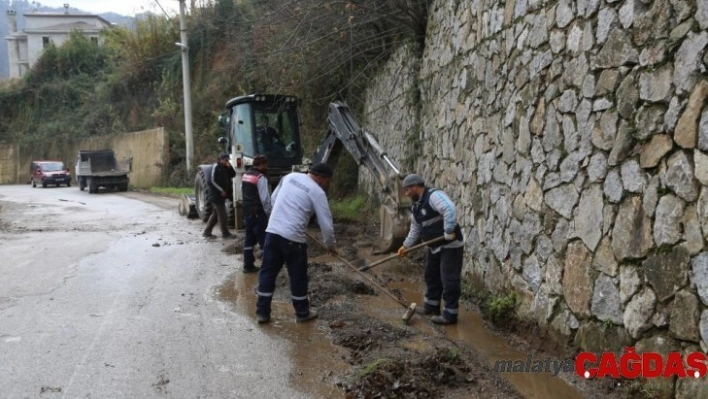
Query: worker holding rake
point(296, 199)
point(434, 215)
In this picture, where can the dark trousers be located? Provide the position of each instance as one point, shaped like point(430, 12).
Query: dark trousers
point(442, 280)
point(218, 214)
point(279, 250)
point(255, 234)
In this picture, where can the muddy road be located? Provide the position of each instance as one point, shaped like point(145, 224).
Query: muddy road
point(116, 295)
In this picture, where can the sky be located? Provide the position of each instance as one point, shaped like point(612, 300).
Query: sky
point(123, 7)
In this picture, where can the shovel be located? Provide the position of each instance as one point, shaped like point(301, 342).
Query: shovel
point(410, 307)
point(394, 256)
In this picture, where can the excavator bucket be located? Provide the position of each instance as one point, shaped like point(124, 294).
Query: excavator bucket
point(394, 228)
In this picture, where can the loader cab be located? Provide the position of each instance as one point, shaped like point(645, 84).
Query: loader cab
point(264, 124)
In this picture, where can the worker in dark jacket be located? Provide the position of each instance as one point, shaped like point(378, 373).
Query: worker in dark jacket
point(256, 209)
point(434, 215)
point(218, 185)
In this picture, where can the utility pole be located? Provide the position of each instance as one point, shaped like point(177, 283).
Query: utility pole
point(187, 89)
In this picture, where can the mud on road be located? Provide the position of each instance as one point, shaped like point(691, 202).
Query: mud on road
point(389, 359)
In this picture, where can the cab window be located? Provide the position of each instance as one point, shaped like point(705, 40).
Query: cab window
point(242, 126)
point(276, 132)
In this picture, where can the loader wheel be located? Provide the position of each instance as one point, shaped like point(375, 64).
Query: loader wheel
point(203, 206)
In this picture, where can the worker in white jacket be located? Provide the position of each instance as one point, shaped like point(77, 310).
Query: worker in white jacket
point(295, 200)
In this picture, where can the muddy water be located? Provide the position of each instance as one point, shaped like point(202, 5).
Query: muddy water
point(470, 330)
point(315, 371)
point(315, 365)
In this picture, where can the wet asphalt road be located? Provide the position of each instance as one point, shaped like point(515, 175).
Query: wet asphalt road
point(113, 295)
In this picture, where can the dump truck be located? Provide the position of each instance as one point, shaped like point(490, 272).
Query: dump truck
point(268, 124)
point(99, 168)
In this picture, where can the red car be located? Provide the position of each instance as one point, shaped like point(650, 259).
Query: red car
point(49, 172)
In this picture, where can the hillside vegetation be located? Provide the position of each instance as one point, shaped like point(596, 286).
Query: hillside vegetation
point(318, 50)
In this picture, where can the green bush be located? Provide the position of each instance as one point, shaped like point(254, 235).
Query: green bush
point(500, 307)
point(350, 209)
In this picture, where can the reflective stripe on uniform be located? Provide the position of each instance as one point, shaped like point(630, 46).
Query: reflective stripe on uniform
point(248, 248)
point(266, 294)
point(299, 298)
point(432, 303)
point(431, 221)
point(451, 311)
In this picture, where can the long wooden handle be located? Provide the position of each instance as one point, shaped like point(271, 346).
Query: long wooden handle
point(394, 256)
point(367, 278)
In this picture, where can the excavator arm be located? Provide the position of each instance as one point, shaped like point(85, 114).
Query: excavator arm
point(344, 133)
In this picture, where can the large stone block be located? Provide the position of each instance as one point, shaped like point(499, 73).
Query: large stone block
point(629, 282)
point(604, 259)
point(687, 61)
point(631, 236)
point(686, 132)
point(685, 317)
point(699, 275)
point(652, 151)
point(599, 337)
point(623, 145)
point(606, 304)
point(667, 224)
point(562, 199)
point(667, 272)
point(638, 312)
point(588, 222)
point(679, 176)
point(617, 51)
point(692, 236)
point(577, 282)
point(627, 97)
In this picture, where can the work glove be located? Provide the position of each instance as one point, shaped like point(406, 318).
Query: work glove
point(402, 251)
point(449, 236)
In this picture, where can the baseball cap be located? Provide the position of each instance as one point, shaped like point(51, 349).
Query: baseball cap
point(259, 160)
point(322, 170)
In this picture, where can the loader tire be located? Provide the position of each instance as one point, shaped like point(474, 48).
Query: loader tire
point(201, 202)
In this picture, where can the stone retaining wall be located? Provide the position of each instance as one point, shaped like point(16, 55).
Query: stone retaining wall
point(573, 136)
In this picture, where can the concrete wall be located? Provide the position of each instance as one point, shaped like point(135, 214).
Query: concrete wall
point(573, 136)
point(149, 150)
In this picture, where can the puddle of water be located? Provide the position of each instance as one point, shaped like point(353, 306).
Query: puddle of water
point(314, 364)
point(321, 358)
point(470, 330)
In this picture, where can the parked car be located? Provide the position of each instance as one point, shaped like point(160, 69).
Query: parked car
point(49, 172)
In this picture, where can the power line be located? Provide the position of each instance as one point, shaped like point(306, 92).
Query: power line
point(163, 10)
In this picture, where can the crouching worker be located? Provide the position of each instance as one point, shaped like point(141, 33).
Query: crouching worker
point(435, 215)
point(295, 200)
point(256, 209)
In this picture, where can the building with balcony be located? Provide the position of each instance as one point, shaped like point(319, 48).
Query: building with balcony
point(24, 48)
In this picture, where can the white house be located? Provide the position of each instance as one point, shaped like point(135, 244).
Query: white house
point(24, 48)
